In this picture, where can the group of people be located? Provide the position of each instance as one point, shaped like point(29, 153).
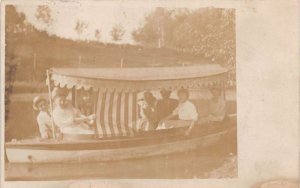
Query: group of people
point(153, 112)
point(66, 118)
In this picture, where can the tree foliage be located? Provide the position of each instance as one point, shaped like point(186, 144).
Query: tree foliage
point(80, 27)
point(43, 14)
point(14, 21)
point(208, 32)
point(117, 32)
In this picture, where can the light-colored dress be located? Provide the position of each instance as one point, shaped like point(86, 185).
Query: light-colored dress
point(45, 124)
point(186, 111)
point(65, 120)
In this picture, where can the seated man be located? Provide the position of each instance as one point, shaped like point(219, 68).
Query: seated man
point(217, 106)
point(185, 110)
point(43, 118)
point(166, 105)
point(69, 119)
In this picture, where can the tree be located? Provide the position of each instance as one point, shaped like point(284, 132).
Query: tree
point(15, 22)
point(80, 27)
point(43, 15)
point(158, 27)
point(117, 32)
point(98, 34)
point(208, 33)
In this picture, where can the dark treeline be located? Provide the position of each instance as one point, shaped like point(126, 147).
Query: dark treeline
point(209, 32)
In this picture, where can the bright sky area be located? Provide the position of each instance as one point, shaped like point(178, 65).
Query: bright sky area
point(103, 16)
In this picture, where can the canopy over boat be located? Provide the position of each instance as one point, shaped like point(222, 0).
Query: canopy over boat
point(139, 79)
point(117, 89)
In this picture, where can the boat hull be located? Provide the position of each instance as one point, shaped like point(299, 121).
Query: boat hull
point(96, 152)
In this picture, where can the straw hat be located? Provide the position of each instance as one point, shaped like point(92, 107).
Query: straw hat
point(37, 100)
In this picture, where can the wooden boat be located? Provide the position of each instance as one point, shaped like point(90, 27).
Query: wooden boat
point(116, 91)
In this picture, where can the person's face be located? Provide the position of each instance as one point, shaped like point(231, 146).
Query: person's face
point(42, 106)
point(182, 97)
point(165, 94)
point(61, 102)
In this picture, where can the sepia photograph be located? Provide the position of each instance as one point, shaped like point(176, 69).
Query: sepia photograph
point(119, 92)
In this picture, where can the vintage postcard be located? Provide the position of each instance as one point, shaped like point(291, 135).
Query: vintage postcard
point(150, 93)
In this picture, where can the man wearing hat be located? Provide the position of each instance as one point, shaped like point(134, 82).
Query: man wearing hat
point(69, 119)
point(43, 118)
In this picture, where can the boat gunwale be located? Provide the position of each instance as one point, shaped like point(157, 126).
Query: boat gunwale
point(120, 143)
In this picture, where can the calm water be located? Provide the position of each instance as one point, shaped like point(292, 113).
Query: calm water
point(202, 163)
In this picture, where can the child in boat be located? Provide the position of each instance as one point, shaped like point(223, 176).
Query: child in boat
point(43, 118)
point(69, 119)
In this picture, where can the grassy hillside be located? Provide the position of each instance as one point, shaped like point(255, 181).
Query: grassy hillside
point(32, 56)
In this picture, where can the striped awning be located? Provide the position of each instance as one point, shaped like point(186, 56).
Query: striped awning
point(116, 113)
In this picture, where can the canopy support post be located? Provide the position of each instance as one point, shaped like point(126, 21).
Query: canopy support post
point(51, 104)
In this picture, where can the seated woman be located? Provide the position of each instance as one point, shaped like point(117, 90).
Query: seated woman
point(185, 110)
point(43, 118)
point(69, 119)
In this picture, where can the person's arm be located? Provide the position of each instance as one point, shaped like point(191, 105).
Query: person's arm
point(79, 117)
point(42, 128)
point(87, 119)
point(171, 116)
point(188, 131)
